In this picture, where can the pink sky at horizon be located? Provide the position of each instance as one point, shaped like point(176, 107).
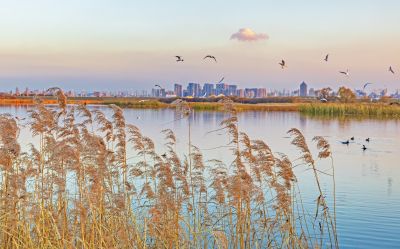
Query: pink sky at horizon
point(138, 51)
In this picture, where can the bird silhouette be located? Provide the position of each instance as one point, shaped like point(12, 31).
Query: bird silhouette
point(158, 86)
point(283, 64)
point(219, 82)
point(367, 140)
point(211, 57)
point(391, 70)
point(364, 148)
point(346, 142)
point(179, 58)
point(326, 57)
point(19, 119)
point(164, 155)
point(352, 138)
point(365, 85)
point(345, 73)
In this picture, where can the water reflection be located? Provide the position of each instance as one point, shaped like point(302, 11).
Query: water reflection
point(366, 181)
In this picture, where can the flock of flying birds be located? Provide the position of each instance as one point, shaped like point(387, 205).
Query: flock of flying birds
point(283, 65)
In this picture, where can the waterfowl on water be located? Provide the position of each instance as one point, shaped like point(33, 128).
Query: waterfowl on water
point(346, 142)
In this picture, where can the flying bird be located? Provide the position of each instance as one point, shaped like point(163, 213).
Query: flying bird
point(364, 148)
point(345, 73)
point(367, 140)
point(326, 57)
point(221, 80)
point(211, 57)
point(283, 64)
point(365, 85)
point(391, 70)
point(352, 138)
point(179, 58)
point(346, 142)
point(19, 119)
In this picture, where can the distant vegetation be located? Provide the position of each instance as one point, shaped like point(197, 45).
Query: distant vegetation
point(345, 104)
point(383, 110)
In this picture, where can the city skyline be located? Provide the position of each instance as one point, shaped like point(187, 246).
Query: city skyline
point(132, 44)
point(197, 90)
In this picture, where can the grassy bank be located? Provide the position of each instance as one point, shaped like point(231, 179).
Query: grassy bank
point(365, 109)
point(379, 110)
point(207, 106)
point(47, 101)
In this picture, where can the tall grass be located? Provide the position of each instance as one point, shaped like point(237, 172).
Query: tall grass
point(95, 181)
point(357, 109)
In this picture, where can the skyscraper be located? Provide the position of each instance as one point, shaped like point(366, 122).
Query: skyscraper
point(194, 89)
point(178, 90)
point(231, 90)
point(221, 88)
point(261, 93)
point(303, 89)
point(208, 90)
point(250, 92)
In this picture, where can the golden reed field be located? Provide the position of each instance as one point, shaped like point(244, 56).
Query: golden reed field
point(89, 180)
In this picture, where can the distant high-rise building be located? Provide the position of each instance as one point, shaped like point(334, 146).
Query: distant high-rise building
point(240, 93)
point(311, 92)
point(194, 89)
point(155, 92)
point(303, 89)
point(221, 88)
point(250, 92)
point(231, 91)
point(178, 90)
point(261, 93)
point(208, 90)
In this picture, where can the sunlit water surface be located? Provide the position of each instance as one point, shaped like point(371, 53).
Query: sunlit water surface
point(367, 182)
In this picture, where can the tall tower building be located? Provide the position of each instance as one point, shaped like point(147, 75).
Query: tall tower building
point(303, 89)
point(178, 90)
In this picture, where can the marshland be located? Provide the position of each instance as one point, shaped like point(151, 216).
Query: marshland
point(106, 177)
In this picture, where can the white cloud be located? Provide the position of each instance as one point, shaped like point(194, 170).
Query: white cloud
point(246, 34)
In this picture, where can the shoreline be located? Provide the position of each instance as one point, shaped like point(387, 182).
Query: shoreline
point(365, 109)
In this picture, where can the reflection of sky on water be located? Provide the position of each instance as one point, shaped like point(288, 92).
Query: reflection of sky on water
point(367, 183)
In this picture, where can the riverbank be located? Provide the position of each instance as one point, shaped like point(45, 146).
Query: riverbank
point(365, 109)
point(380, 110)
point(47, 101)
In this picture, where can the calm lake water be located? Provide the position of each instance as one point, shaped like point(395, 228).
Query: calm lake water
point(367, 182)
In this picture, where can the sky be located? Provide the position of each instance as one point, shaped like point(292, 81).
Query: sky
point(131, 44)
